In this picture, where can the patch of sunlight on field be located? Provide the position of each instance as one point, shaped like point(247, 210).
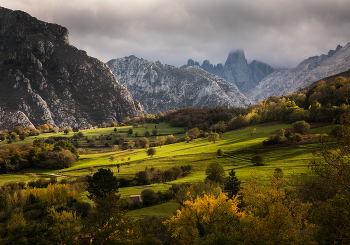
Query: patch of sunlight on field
point(164, 210)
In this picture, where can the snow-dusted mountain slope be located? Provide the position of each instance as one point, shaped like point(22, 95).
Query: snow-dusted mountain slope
point(163, 87)
point(284, 81)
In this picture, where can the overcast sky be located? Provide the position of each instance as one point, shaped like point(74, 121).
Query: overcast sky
point(279, 32)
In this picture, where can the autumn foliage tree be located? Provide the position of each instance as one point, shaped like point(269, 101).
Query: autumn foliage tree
point(204, 217)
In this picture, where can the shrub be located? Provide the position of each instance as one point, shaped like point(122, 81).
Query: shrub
point(258, 160)
point(298, 137)
point(301, 127)
point(220, 152)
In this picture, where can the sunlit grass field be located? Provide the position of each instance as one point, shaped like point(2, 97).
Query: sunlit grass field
point(239, 147)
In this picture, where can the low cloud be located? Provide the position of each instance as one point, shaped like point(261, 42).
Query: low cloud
point(281, 33)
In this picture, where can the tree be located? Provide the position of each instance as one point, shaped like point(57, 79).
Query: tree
point(130, 132)
point(65, 223)
point(258, 160)
point(154, 131)
point(188, 139)
point(274, 214)
point(147, 133)
point(107, 224)
point(102, 184)
point(149, 197)
point(193, 133)
point(65, 144)
point(143, 142)
point(232, 184)
point(151, 151)
point(332, 165)
point(170, 139)
point(215, 172)
point(213, 137)
point(160, 140)
point(301, 127)
point(189, 192)
point(203, 217)
point(143, 178)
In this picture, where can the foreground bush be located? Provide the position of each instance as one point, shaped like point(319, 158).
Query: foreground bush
point(301, 127)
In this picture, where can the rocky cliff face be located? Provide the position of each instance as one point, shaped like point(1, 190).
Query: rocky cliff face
point(237, 70)
point(163, 87)
point(44, 79)
point(308, 71)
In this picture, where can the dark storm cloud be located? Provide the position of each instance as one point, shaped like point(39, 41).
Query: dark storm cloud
point(279, 32)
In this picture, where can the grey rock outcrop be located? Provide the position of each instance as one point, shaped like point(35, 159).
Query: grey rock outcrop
point(44, 79)
point(237, 70)
point(284, 81)
point(163, 87)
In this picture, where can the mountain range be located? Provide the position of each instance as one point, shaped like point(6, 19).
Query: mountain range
point(163, 87)
point(44, 79)
point(236, 70)
point(284, 81)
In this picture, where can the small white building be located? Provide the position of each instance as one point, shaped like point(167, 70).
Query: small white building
point(134, 198)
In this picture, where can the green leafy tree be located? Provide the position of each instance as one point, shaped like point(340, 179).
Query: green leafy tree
point(215, 172)
point(258, 160)
point(143, 142)
point(102, 184)
point(154, 132)
point(151, 151)
point(232, 184)
point(213, 137)
point(107, 224)
point(67, 145)
point(332, 165)
point(149, 197)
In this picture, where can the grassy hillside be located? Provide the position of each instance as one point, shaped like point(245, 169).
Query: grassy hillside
point(239, 147)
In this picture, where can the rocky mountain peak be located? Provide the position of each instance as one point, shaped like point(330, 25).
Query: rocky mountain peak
point(44, 79)
point(312, 69)
point(163, 87)
point(237, 70)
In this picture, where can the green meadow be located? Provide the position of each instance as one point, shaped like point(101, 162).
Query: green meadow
point(239, 146)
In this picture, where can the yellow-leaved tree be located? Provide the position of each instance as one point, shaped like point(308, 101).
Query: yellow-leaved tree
point(203, 217)
point(274, 213)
